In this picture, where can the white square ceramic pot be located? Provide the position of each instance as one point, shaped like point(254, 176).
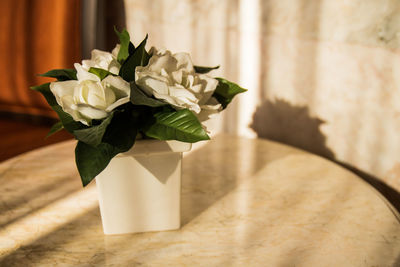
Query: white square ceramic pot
point(140, 190)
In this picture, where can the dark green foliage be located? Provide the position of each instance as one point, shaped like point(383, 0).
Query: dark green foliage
point(226, 91)
point(138, 97)
point(181, 125)
point(201, 69)
point(100, 72)
point(61, 74)
point(139, 57)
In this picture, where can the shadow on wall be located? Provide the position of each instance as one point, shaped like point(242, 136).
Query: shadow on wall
point(282, 122)
point(293, 125)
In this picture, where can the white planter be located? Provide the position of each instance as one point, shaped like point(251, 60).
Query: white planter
point(139, 191)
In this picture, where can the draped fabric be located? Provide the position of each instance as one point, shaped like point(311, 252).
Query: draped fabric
point(36, 36)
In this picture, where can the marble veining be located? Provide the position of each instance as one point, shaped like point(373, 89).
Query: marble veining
point(244, 203)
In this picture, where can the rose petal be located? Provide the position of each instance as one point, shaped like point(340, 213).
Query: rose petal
point(118, 103)
point(182, 93)
point(102, 59)
point(114, 67)
point(212, 104)
point(166, 61)
point(166, 98)
point(115, 51)
point(64, 88)
point(85, 75)
point(177, 76)
point(172, 78)
point(184, 62)
point(120, 87)
point(63, 92)
point(151, 85)
point(212, 107)
point(210, 83)
point(87, 64)
point(91, 112)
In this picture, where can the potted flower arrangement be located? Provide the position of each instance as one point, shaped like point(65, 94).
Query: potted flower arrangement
point(133, 113)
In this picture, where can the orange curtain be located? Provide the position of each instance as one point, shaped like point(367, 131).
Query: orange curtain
point(36, 36)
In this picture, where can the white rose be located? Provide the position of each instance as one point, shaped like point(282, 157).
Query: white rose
point(89, 98)
point(103, 60)
point(172, 78)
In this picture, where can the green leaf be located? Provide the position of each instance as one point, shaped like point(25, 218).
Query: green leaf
point(44, 89)
point(67, 121)
point(55, 128)
point(122, 131)
point(181, 125)
point(61, 74)
point(101, 73)
point(226, 91)
point(118, 137)
point(138, 97)
point(139, 57)
point(125, 43)
point(91, 161)
point(93, 135)
point(201, 69)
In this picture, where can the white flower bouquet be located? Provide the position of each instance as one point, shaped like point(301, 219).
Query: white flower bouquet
point(114, 98)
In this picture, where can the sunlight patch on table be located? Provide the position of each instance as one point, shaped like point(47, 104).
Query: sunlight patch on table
point(47, 220)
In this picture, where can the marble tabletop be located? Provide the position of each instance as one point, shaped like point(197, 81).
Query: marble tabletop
point(245, 202)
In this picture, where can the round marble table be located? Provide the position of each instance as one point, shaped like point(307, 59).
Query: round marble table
point(244, 203)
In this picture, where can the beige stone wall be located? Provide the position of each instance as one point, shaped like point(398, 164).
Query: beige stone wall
point(322, 75)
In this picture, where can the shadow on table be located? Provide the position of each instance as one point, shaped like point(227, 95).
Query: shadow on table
point(54, 190)
point(211, 172)
point(39, 251)
point(387, 191)
point(293, 125)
